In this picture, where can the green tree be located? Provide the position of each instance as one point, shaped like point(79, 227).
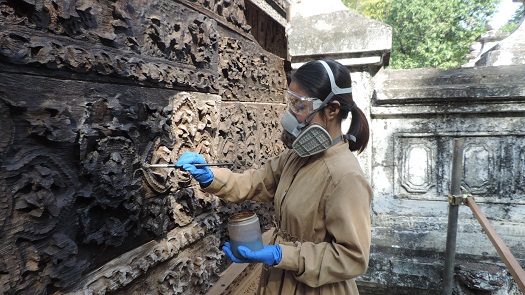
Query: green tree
point(431, 33)
point(358, 4)
point(515, 20)
point(372, 8)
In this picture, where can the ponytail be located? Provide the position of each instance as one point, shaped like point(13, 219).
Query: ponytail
point(359, 129)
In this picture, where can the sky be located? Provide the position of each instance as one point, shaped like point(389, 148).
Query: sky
point(505, 11)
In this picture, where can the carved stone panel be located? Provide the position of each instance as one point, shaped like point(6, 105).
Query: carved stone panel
point(423, 171)
point(488, 167)
point(416, 115)
point(417, 171)
point(481, 159)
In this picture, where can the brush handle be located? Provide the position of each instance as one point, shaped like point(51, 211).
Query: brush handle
point(196, 165)
point(213, 164)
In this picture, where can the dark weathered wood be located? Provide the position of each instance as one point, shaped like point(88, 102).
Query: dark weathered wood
point(266, 31)
point(92, 90)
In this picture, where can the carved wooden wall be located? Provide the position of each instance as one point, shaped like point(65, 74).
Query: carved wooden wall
point(261, 24)
point(91, 90)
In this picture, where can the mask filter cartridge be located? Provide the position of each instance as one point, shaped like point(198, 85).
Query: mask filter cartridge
point(311, 141)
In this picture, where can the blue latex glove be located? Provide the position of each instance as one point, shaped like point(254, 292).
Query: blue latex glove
point(202, 174)
point(269, 255)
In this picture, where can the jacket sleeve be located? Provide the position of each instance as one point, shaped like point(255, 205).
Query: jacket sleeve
point(347, 214)
point(254, 184)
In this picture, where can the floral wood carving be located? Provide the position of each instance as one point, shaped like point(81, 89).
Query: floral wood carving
point(142, 259)
point(248, 73)
point(193, 124)
point(231, 10)
point(249, 133)
point(39, 193)
point(77, 124)
point(189, 270)
point(122, 39)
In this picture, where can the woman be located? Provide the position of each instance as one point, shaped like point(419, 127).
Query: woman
point(321, 196)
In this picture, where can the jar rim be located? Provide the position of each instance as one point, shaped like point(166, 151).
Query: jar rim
point(242, 216)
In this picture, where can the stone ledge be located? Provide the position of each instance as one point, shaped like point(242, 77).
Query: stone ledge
point(495, 89)
point(339, 32)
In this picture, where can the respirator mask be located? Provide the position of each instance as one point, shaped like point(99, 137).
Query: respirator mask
point(313, 139)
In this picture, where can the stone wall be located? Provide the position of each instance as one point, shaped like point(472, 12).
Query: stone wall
point(91, 90)
point(416, 114)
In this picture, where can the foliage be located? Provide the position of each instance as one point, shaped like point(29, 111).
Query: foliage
point(515, 20)
point(359, 5)
point(430, 33)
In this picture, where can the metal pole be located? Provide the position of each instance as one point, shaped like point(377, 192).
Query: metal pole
point(455, 190)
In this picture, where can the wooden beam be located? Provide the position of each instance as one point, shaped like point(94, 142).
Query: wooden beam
point(504, 252)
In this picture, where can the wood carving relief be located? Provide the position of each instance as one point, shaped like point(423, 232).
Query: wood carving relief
point(247, 73)
point(248, 135)
point(137, 41)
point(192, 127)
point(167, 261)
point(38, 196)
point(231, 11)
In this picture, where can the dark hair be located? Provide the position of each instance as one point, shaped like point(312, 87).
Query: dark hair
point(314, 79)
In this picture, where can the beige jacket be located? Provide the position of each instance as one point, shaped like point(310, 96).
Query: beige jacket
point(322, 218)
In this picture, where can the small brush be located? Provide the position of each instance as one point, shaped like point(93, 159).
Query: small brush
point(196, 165)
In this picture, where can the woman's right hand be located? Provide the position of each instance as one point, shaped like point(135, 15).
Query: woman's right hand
point(202, 174)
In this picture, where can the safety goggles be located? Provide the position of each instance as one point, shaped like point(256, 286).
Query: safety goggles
point(301, 105)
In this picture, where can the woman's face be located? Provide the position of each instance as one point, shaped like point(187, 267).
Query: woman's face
point(296, 88)
point(330, 120)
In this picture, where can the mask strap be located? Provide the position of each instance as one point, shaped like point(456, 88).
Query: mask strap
point(335, 89)
point(349, 137)
point(305, 123)
point(344, 136)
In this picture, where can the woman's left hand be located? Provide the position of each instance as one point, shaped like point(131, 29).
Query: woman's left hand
point(269, 255)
